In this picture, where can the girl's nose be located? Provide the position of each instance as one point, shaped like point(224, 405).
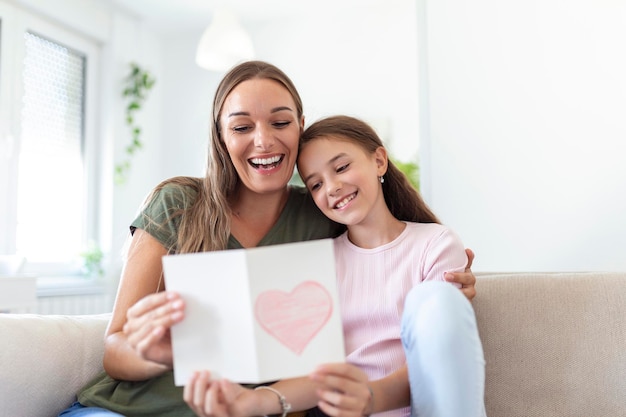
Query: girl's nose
point(333, 187)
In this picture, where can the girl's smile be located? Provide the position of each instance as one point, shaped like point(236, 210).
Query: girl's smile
point(344, 202)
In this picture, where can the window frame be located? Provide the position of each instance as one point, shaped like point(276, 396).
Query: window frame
point(14, 21)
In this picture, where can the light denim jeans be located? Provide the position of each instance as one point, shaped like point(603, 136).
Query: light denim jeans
point(443, 351)
point(78, 410)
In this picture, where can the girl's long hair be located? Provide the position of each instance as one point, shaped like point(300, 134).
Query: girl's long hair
point(403, 200)
point(205, 226)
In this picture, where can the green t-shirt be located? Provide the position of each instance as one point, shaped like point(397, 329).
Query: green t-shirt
point(300, 220)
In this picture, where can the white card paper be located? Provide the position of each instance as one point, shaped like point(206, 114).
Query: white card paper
point(256, 315)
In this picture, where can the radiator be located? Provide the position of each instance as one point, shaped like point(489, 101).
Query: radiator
point(73, 296)
point(75, 304)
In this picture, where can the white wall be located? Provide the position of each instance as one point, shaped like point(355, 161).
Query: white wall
point(525, 132)
point(187, 99)
point(521, 112)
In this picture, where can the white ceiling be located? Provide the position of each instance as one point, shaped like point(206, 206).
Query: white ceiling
point(184, 15)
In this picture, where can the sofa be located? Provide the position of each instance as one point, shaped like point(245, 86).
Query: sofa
point(555, 345)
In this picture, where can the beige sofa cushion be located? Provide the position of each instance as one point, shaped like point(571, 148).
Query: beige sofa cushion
point(44, 360)
point(555, 343)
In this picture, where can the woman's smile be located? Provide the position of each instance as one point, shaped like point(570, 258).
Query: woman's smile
point(266, 164)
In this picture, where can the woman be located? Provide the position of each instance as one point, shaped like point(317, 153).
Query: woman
point(243, 201)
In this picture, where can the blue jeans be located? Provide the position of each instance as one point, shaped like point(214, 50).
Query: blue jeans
point(78, 410)
point(443, 352)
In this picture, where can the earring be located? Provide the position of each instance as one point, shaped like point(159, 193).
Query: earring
point(382, 179)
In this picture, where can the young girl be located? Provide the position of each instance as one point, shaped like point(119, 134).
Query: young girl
point(402, 339)
point(392, 325)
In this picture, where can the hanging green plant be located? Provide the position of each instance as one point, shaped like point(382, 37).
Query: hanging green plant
point(138, 83)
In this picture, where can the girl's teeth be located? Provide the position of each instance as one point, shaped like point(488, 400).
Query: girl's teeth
point(345, 201)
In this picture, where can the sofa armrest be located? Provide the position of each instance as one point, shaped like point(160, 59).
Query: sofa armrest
point(554, 343)
point(46, 359)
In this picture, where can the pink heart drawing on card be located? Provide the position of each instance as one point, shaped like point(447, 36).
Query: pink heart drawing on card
point(294, 318)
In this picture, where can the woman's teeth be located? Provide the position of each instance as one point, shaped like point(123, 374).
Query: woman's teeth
point(266, 162)
point(345, 201)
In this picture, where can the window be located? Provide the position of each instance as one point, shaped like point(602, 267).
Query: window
point(47, 142)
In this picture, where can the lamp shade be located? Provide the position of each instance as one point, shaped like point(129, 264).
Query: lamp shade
point(224, 43)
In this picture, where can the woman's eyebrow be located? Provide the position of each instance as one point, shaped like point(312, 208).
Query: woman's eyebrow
point(274, 110)
point(281, 108)
point(239, 113)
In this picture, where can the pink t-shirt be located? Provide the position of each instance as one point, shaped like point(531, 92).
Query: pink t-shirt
point(373, 284)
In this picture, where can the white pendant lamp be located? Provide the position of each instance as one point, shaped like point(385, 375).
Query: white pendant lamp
point(224, 43)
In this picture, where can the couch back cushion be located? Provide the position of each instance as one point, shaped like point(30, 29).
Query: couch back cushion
point(555, 343)
point(46, 359)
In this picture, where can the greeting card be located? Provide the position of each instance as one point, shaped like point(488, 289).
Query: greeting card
point(256, 315)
